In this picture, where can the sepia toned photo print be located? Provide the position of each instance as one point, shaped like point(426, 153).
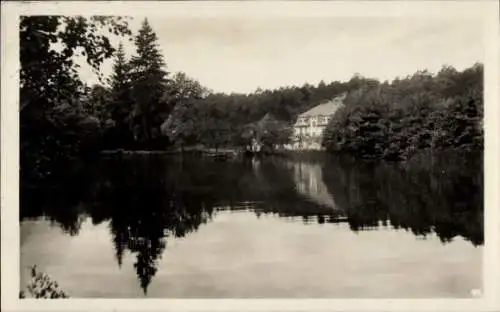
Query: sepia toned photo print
point(249, 150)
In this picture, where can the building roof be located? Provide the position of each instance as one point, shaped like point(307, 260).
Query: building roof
point(327, 108)
point(268, 118)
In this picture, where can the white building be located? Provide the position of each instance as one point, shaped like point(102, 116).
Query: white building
point(310, 125)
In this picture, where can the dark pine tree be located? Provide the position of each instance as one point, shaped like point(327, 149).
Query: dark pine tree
point(121, 106)
point(149, 79)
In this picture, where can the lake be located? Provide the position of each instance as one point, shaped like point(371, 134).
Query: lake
point(152, 226)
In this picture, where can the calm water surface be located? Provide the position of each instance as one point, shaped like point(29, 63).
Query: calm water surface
point(155, 226)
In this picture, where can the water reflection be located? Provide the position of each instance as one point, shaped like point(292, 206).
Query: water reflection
point(308, 178)
point(147, 199)
point(444, 196)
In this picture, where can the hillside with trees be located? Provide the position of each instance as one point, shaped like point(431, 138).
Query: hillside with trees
point(421, 112)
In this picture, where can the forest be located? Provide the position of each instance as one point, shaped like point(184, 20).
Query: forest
point(143, 106)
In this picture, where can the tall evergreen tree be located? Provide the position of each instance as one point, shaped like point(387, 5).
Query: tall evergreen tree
point(149, 80)
point(121, 106)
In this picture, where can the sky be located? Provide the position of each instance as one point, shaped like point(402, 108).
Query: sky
point(242, 54)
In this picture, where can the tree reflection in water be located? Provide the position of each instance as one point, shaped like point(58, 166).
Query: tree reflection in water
point(148, 198)
point(145, 207)
point(441, 194)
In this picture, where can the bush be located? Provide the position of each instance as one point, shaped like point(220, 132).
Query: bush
point(42, 286)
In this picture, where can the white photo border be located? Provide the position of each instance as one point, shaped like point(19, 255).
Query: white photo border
point(485, 11)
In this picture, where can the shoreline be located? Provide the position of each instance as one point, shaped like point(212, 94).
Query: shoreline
point(225, 154)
